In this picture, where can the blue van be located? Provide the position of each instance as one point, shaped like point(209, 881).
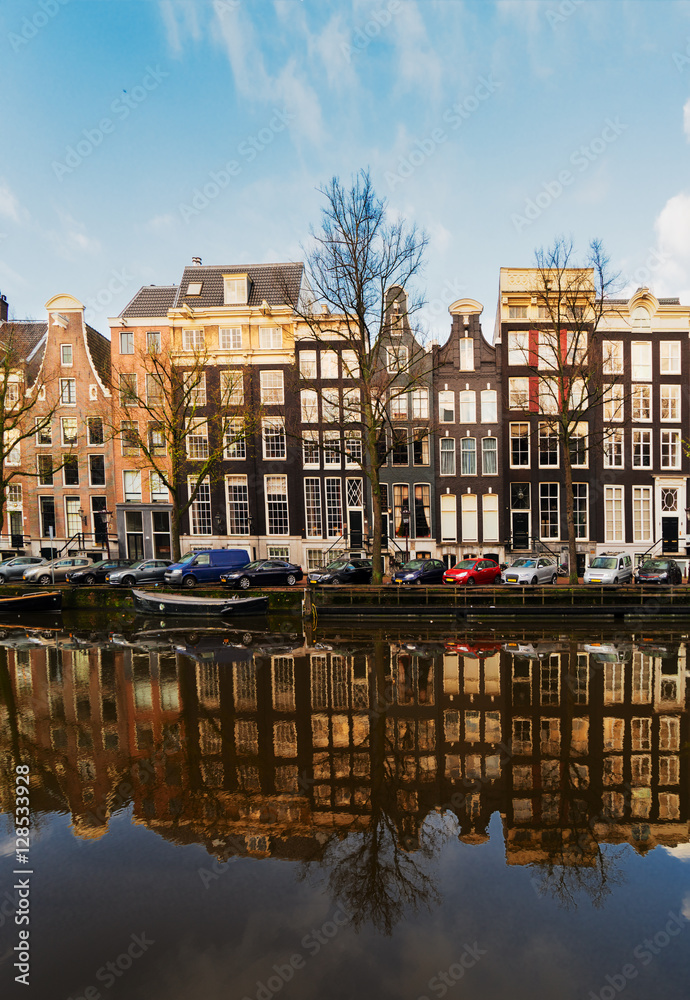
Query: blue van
point(206, 566)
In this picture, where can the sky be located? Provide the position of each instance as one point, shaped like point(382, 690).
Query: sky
point(137, 134)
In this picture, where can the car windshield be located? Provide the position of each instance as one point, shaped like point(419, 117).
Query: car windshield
point(602, 562)
point(338, 564)
point(188, 558)
point(655, 564)
point(464, 564)
point(415, 564)
point(254, 565)
point(523, 563)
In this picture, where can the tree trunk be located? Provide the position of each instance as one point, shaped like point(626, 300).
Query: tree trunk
point(175, 530)
point(373, 471)
point(569, 511)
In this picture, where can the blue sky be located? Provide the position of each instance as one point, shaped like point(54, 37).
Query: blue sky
point(496, 126)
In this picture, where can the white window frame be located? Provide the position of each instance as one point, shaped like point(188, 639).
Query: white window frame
point(70, 363)
point(446, 403)
point(235, 289)
point(642, 438)
point(307, 364)
point(196, 439)
point(311, 439)
point(614, 498)
point(234, 439)
point(642, 513)
point(515, 437)
point(466, 354)
point(670, 402)
point(271, 338)
point(585, 537)
point(518, 393)
point(518, 348)
point(63, 421)
point(193, 340)
point(197, 510)
point(309, 406)
point(329, 364)
point(230, 338)
point(273, 430)
point(614, 405)
point(550, 537)
point(232, 387)
point(641, 403)
point(667, 365)
point(313, 513)
point(272, 388)
point(468, 453)
point(467, 411)
point(612, 357)
point(614, 447)
point(641, 361)
point(237, 504)
point(551, 432)
point(672, 444)
point(489, 406)
point(283, 483)
point(449, 453)
point(486, 451)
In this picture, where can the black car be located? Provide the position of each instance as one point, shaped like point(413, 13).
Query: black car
point(96, 573)
point(263, 573)
point(659, 571)
point(420, 571)
point(343, 571)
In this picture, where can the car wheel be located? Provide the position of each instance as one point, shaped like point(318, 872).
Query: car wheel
point(535, 579)
point(128, 581)
point(554, 578)
point(418, 582)
point(2, 579)
point(89, 580)
point(189, 582)
point(335, 581)
point(471, 582)
point(44, 580)
point(291, 579)
point(244, 583)
point(616, 580)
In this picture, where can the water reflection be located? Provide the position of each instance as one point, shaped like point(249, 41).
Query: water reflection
point(359, 756)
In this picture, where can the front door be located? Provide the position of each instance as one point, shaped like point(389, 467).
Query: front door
point(355, 519)
point(16, 529)
point(669, 534)
point(520, 529)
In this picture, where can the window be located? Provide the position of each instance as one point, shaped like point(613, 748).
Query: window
point(400, 448)
point(669, 357)
point(548, 445)
point(14, 495)
point(549, 350)
point(468, 407)
point(399, 407)
point(517, 312)
point(490, 456)
point(670, 402)
point(578, 442)
point(153, 342)
point(235, 290)
point(401, 510)
point(66, 354)
point(129, 437)
point(68, 391)
point(159, 491)
point(641, 402)
point(420, 447)
point(352, 405)
point(309, 406)
point(641, 361)
point(307, 364)
point(132, 486)
point(230, 338)
point(355, 494)
point(670, 449)
point(274, 444)
point(235, 442)
point(466, 345)
point(276, 505)
point(548, 395)
point(329, 364)
point(272, 392)
point(613, 402)
point(353, 449)
point(447, 456)
point(519, 445)
point(468, 456)
point(469, 517)
point(642, 513)
point(490, 517)
point(45, 470)
point(642, 449)
point(312, 507)
point(446, 407)
point(489, 406)
point(154, 390)
point(96, 470)
point(44, 434)
point(73, 518)
point(331, 448)
point(200, 510)
point(128, 389)
point(577, 394)
point(197, 440)
point(518, 393)
point(310, 449)
point(449, 530)
point(576, 346)
point(193, 340)
point(330, 406)
point(69, 430)
point(613, 514)
point(195, 388)
point(232, 387)
point(548, 510)
point(397, 355)
point(238, 505)
point(157, 443)
point(350, 365)
point(194, 287)
point(613, 449)
point(612, 355)
point(271, 338)
point(334, 507)
point(422, 511)
point(580, 510)
point(518, 347)
point(126, 343)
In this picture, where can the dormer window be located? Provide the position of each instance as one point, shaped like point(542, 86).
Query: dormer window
point(236, 288)
point(641, 317)
point(194, 288)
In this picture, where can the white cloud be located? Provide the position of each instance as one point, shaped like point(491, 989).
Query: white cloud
point(682, 852)
point(179, 18)
point(673, 244)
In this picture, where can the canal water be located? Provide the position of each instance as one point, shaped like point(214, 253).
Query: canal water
point(237, 813)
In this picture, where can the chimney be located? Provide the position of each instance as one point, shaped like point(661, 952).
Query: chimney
point(3, 309)
point(196, 261)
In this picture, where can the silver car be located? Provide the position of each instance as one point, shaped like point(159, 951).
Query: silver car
point(55, 571)
point(144, 571)
point(13, 569)
point(531, 569)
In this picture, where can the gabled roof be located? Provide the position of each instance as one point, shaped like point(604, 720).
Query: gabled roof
point(150, 301)
point(99, 348)
point(25, 337)
point(277, 284)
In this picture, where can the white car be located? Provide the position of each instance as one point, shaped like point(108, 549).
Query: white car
point(531, 569)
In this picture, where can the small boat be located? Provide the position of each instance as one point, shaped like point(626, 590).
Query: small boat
point(31, 603)
point(181, 604)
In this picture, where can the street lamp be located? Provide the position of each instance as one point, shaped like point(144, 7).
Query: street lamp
point(84, 517)
point(106, 515)
point(405, 520)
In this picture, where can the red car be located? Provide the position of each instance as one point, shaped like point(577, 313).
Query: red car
point(472, 571)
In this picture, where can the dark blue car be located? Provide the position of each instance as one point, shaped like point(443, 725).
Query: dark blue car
point(420, 571)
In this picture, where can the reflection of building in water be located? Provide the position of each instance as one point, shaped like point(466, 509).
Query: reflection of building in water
point(254, 753)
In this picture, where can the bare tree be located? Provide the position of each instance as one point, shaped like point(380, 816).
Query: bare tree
point(169, 422)
point(360, 264)
point(564, 355)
